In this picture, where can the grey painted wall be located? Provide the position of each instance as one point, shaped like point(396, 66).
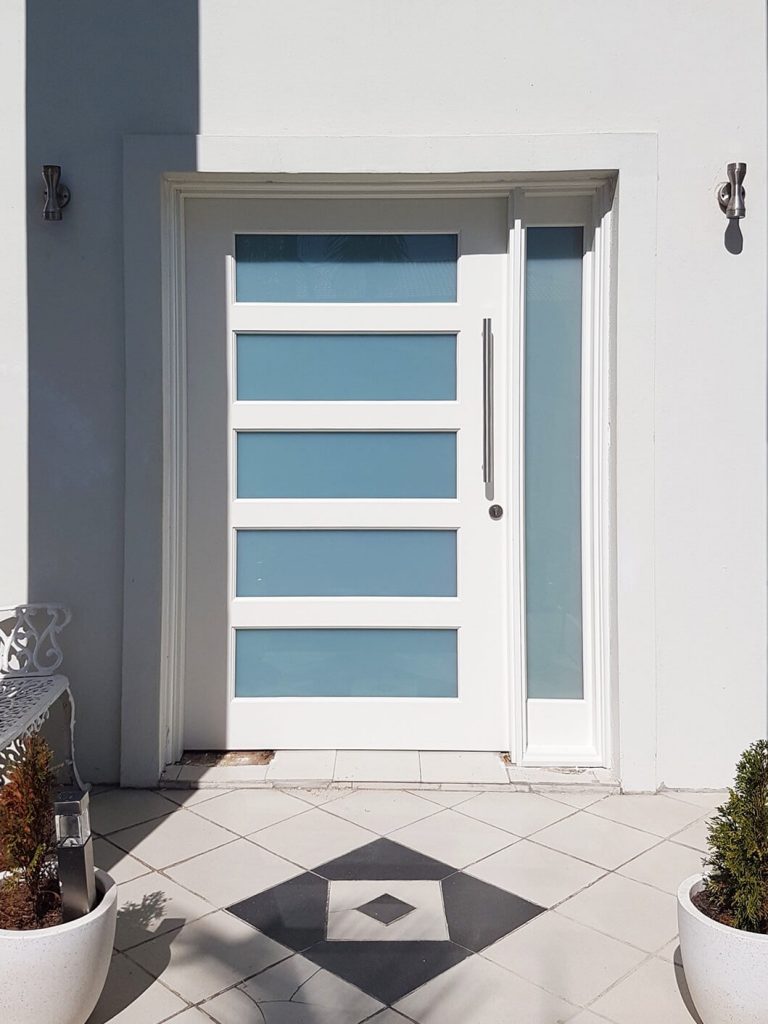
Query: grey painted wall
point(96, 70)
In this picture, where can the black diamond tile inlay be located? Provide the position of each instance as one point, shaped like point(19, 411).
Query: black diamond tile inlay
point(479, 914)
point(387, 970)
point(386, 908)
point(295, 914)
point(385, 860)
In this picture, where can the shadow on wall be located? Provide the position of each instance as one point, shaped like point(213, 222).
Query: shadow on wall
point(97, 70)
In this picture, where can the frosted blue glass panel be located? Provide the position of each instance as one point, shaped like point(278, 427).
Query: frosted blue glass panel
point(346, 268)
point(346, 464)
point(346, 663)
point(346, 367)
point(553, 461)
point(342, 563)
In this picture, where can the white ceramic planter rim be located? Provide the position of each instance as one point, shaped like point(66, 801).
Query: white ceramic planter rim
point(684, 893)
point(104, 883)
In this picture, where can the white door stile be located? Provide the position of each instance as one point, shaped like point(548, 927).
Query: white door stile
point(477, 718)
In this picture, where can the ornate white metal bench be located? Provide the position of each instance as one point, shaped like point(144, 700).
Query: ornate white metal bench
point(33, 696)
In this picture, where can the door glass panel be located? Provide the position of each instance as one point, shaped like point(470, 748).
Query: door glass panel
point(346, 663)
point(346, 464)
point(346, 367)
point(553, 313)
point(339, 563)
point(346, 268)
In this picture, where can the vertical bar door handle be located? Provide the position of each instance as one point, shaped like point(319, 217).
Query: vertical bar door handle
point(488, 406)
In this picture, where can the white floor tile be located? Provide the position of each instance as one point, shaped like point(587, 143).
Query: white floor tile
point(208, 955)
point(462, 766)
point(247, 810)
point(446, 797)
point(478, 992)
point(312, 838)
point(292, 992)
point(596, 840)
point(649, 812)
point(651, 993)
point(519, 813)
point(453, 838)
point(377, 766)
point(664, 867)
point(152, 905)
point(626, 910)
point(231, 873)
point(671, 952)
point(577, 798)
point(302, 764)
point(382, 810)
point(191, 797)
point(536, 873)
point(119, 864)
point(121, 808)
point(389, 1016)
point(695, 836)
point(710, 800)
point(233, 1007)
point(564, 957)
point(132, 996)
point(587, 1017)
point(171, 839)
point(190, 1016)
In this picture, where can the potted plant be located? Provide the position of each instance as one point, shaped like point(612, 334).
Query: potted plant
point(723, 914)
point(52, 969)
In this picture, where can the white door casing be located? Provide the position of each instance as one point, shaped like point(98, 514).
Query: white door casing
point(536, 731)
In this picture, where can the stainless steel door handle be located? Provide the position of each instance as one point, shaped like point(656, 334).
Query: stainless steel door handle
point(488, 406)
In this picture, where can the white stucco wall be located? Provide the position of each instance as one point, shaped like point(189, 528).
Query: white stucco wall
point(394, 69)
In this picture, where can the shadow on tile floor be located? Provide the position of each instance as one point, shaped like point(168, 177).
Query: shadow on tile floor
point(127, 983)
point(682, 986)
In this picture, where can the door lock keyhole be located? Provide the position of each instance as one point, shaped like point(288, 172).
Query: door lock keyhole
point(495, 511)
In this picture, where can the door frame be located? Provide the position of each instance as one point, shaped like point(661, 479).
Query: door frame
point(599, 322)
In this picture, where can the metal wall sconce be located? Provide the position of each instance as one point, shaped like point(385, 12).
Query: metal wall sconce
point(730, 194)
point(56, 195)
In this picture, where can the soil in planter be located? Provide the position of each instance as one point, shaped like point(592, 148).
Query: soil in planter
point(703, 903)
point(17, 912)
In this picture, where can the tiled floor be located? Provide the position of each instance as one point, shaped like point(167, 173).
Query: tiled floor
point(379, 768)
point(334, 905)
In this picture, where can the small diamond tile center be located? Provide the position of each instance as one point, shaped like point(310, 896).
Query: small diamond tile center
point(386, 908)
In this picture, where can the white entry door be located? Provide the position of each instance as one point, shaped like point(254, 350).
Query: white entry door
point(345, 575)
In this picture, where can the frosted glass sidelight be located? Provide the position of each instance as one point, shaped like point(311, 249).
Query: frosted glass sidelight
point(346, 464)
point(553, 312)
point(341, 563)
point(346, 268)
point(346, 367)
point(346, 663)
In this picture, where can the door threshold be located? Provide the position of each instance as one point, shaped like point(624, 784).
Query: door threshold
point(390, 769)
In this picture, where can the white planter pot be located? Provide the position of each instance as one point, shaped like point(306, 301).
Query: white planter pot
point(55, 975)
point(726, 969)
